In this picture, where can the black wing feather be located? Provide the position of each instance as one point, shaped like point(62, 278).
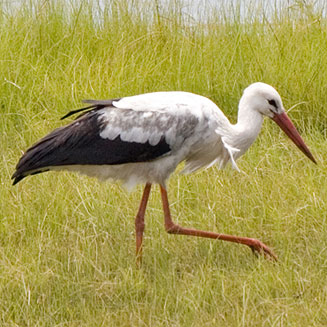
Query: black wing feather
point(80, 143)
point(95, 105)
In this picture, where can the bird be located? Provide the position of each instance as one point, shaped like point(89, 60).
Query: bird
point(141, 139)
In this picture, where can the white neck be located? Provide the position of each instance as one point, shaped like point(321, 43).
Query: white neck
point(247, 128)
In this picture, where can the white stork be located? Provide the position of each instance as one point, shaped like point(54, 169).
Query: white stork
point(142, 139)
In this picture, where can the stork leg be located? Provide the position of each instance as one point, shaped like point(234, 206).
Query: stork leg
point(172, 228)
point(139, 222)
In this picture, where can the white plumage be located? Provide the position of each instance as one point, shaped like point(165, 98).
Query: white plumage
point(187, 122)
point(142, 139)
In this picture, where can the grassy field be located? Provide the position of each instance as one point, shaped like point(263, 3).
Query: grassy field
point(67, 241)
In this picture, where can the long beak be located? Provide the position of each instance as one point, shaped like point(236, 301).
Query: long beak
point(283, 121)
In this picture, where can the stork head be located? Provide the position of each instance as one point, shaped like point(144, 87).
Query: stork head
point(265, 99)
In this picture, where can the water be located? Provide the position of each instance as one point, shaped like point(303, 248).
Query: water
point(196, 10)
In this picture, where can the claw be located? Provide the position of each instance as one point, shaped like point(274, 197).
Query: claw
point(260, 248)
point(254, 251)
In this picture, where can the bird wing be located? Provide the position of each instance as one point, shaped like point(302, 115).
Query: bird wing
point(94, 105)
point(108, 136)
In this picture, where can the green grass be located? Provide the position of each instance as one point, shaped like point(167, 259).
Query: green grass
point(67, 241)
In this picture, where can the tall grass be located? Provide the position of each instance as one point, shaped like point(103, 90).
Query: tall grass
point(67, 241)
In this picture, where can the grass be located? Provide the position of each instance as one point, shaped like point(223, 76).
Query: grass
point(67, 241)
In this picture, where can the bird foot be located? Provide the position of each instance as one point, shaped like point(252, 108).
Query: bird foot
point(258, 247)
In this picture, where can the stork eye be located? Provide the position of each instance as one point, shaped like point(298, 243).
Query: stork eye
point(272, 103)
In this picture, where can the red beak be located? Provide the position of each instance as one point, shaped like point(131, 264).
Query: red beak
point(283, 121)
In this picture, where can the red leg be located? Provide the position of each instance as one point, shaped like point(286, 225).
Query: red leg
point(139, 221)
point(172, 228)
